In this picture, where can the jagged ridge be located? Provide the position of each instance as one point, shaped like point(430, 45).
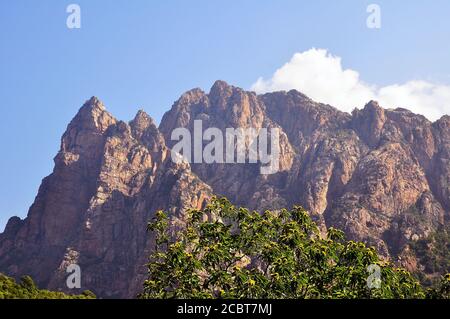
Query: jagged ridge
point(381, 175)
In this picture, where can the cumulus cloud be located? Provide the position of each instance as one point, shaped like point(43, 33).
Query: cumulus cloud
point(321, 76)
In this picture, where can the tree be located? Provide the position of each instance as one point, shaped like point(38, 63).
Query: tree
point(230, 252)
point(26, 289)
point(442, 291)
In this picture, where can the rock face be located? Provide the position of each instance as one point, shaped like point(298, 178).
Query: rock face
point(381, 175)
point(109, 178)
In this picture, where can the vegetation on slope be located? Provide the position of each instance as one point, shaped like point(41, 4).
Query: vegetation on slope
point(434, 253)
point(26, 289)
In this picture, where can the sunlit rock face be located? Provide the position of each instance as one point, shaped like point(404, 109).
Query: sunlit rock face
point(381, 175)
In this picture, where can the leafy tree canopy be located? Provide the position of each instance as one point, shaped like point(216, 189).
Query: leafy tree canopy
point(230, 252)
point(26, 289)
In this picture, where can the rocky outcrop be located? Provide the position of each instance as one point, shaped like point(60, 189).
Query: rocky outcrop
point(224, 107)
point(382, 175)
point(109, 178)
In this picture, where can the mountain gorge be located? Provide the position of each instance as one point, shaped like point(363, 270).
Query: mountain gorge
point(381, 175)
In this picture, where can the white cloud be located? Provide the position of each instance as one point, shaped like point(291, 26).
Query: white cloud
point(320, 75)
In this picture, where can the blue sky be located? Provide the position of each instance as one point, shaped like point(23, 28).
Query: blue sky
point(144, 54)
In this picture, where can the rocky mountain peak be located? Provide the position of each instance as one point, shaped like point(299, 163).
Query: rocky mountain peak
point(220, 93)
point(141, 123)
point(193, 96)
point(369, 122)
point(373, 105)
point(380, 175)
point(93, 116)
point(86, 129)
point(374, 112)
point(219, 87)
point(144, 129)
point(95, 102)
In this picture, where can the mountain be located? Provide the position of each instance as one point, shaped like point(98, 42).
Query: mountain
point(381, 175)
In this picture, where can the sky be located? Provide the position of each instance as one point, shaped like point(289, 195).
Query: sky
point(145, 54)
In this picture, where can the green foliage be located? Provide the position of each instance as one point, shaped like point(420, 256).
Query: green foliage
point(442, 291)
point(230, 252)
point(434, 251)
point(26, 289)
